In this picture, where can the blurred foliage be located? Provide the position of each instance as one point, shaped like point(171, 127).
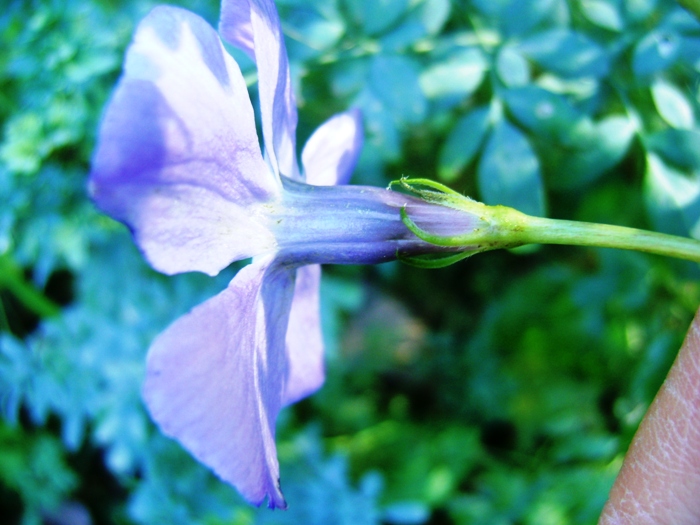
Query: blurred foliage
point(504, 389)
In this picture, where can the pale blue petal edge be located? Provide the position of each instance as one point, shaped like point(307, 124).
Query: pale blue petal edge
point(331, 153)
point(235, 27)
point(306, 371)
point(216, 379)
point(277, 101)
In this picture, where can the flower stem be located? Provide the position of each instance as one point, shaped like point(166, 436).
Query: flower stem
point(538, 230)
point(519, 229)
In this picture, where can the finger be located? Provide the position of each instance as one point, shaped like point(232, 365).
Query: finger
point(659, 482)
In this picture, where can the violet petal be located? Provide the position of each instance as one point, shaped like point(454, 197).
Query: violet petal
point(215, 379)
point(234, 25)
point(178, 158)
point(304, 338)
point(277, 103)
point(330, 154)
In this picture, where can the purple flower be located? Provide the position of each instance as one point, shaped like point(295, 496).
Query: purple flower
point(179, 162)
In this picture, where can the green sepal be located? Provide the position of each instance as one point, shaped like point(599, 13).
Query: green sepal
point(439, 240)
point(437, 194)
point(433, 260)
point(410, 185)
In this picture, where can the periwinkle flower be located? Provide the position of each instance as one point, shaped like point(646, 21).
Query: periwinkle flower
point(179, 162)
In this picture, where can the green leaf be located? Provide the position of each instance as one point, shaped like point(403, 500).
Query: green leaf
point(426, 18)
point(512, 67)
point(682, 20)
point(594, 149)
point(516, 17)
point(407, 34)
point(655, 52)
point(672, 105)
point(433, 14)
point(24, 146)
point(567, 53)
point(509, 171)
point(603, 13)
point(690, 52)
point(376, 16)
point(541, 111)
point(350, 79)
point(577, 149)
point(637, 10)
point(680, 147)
point(313, 29)
point(382, 139)
point(394, 79)
point(672, 198)
point(462, 143)
point(34, 465)
point(407, 513)
point(460, 74)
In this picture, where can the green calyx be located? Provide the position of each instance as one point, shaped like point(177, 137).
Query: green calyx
point(431, 261)
point(496, 222)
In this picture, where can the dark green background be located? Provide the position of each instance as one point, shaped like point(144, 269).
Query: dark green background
point(502, 390)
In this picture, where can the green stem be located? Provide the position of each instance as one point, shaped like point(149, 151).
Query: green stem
point(524, 229)
point(11, 278)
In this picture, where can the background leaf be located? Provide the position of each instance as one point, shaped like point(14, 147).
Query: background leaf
point(655, 52)
point(678, 147)
point(463, 143)
point(503, 389)
point(672, 105)
point(460, 74)
point(513, 69)
point(604, 13)
point(376, 16)
point(673, 198)
point(509, 172)
point(567, 53)
point(394, 80)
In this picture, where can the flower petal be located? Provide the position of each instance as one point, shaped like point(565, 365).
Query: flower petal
point(330, 154)
point(277, 102)
point(234, 25)
point(216, 377)
point(178, 158)
point(304, 338)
